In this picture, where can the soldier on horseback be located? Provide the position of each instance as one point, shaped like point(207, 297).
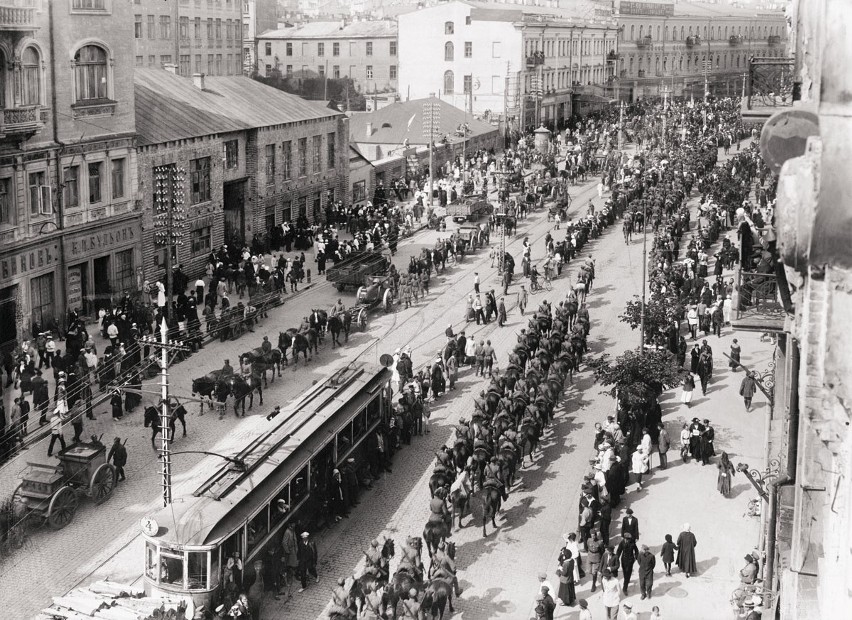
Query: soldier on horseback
point(439, 510)
point(411, 561)
point(444, 567)
point(305, 326)
point(338, 308)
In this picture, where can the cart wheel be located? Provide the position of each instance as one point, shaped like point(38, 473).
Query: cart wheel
point(63, 505)
point(362, 319)
point(361, 292)
point(387, 301)
point(103, 483)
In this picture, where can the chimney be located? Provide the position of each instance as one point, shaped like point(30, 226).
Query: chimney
point(198, 80)
point(369, 129)
point(170, 67)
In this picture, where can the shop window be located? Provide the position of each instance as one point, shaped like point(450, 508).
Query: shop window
point(95, 182)
point(196, 570)
point(125, 278)
point(214, 568)
point(232, 149)
point(257, 529)
point(118, 178)
point(41, 299)
point(199, 179)
point(201, 240)
point(71, 191)
point(317, 208)
point(7, 202)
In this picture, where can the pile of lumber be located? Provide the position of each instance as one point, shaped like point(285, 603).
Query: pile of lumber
point(108, 600)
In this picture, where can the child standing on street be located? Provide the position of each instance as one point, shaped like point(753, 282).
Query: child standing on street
point(667, 554)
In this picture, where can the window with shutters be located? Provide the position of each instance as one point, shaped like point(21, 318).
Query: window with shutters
point(7, 202)
point(199, 180)
point(117, 178)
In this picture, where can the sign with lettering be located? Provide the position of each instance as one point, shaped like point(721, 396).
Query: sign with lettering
point(100, 242)
point(27, 261)
point(658, 9)
point(75, 287)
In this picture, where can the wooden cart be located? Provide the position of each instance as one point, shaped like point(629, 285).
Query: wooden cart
point(469, 209)
point(50, 493)
point(352, 271)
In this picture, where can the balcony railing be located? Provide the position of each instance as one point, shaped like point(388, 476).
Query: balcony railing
point(17, 15)
point(735, 40)
point(693, 40)
point(535, 59)
point(612, 55)
point(641, 73)
point(643, 42)
point(23, 120)
point(759, 306)
point(774, 40)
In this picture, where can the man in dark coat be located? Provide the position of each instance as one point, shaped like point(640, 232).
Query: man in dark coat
point(627, 553)
point(118, 456)
point(647, 561)
point(686, 544)
point(307, 554)
point(630, 525)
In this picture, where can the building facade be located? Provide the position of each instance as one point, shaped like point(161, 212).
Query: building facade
point(69, 223)
point(196, 36)
point(238, 157)
point(259, 16)
point(524, 63)
point(677, 45)
point(364, 51)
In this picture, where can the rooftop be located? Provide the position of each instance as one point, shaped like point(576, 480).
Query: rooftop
point(335, 30)
point(397, 122)
point(170, 107)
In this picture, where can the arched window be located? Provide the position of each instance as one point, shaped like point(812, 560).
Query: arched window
point(658, 33)
point(680, 64)
point(3, 79)
point(449, 83)
point(719, 32)
point(738, 62)
point(631, 65)
point(688, 63)
point(681, 34)
point(665, 64)
point(633, 32)
point(91, 73)
point(667, 33)
point(705, 32)
point(449, 28)
point(641, 31)
point(448, 50)
point(726, 32)
point(30, 77)
point(725, 61)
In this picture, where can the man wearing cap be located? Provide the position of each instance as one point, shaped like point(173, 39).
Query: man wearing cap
point(647, 561)
point(627, 554)
point(307, 555)
point(630, 524)
point(118, 456)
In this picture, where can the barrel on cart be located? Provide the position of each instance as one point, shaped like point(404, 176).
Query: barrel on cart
point(353, 270)
point(50, 493)
point(469, 209)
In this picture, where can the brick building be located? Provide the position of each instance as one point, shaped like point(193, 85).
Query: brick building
point(69, 227)
point(199, 36)
point(250, 157)
point(364, 51)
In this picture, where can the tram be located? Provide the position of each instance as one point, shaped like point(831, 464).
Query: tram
point(278, 478)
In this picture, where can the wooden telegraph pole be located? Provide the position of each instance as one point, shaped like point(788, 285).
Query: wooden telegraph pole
point(431, 125)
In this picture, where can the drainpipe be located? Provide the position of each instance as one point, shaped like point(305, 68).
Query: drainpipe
point(787, 479)
point(60, 206)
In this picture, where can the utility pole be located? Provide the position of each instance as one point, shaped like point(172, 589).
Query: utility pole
point(169, 219)
point(620, 127)
point(706, 69)
point(166, 346)
point(431, 120)
point(644, 284)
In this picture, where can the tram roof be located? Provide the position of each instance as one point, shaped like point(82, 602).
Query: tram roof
point(230, 495)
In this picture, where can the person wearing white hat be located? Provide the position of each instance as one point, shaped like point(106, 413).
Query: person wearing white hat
point(307, 555)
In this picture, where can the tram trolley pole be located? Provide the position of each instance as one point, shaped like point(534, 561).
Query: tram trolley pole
point(165, 346)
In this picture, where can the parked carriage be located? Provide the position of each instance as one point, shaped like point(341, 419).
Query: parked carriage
point(51, 493)
point(352, 270)
point(377, 291)
point(471, 236)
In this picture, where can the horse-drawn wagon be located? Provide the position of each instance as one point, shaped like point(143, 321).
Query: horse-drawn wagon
point(471, 236)
point(50, 493)
point(469, 209)
point(352, 270)
point(378, 291)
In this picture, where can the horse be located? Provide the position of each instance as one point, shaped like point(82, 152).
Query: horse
point(462, 449)
point(370, 581)
point(508, 461)
point(435, 532)
point(492, 498)
point(241, 388)
point(402, 582)
point(438, 594)
point(301, 343)
point(439, 479)
point(531, 433)
point(318, 321)
point(152, 419)
point(341, 322)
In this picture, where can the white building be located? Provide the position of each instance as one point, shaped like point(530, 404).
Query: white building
point(528, 62)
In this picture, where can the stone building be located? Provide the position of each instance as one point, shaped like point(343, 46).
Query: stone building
point(69, 224)
point(197, 36)
point(673, 45)
point(527, 63)
point(248, 157)
point(365, 52)
point(259, 16)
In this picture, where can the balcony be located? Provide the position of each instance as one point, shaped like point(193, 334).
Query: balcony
point(734, 40)
point(760, 307)
point(17, 15)
point(641, 73)
point(612, 56)
point(21, 123)
point(534, 60)
point(774, 40)
point(693, 40)
point(643, 43)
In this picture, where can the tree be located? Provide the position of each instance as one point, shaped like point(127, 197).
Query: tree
point(313, 87)
point(637, 379)
point(659, 314)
